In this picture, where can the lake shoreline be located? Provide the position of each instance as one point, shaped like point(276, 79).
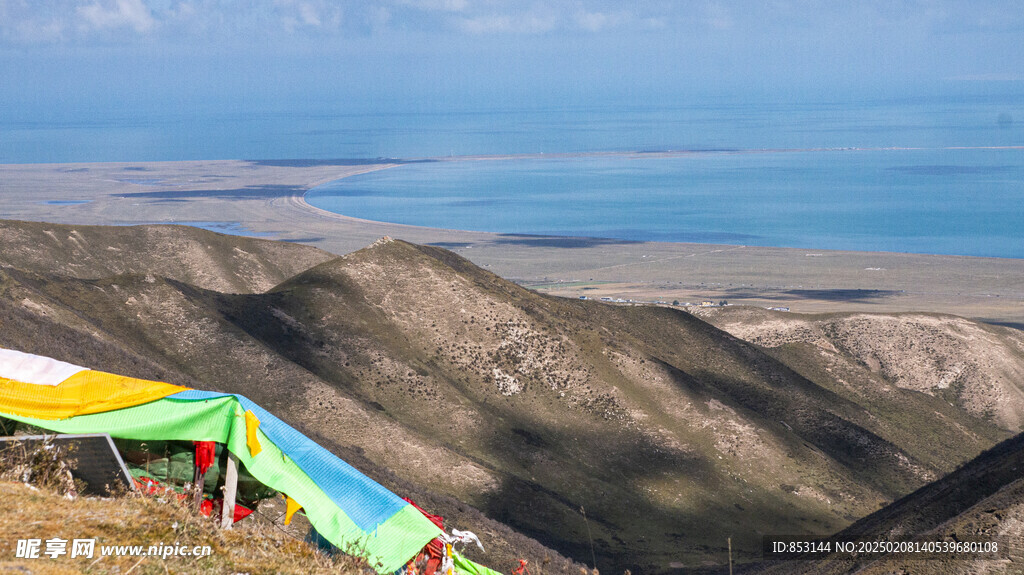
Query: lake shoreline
point(908, 200)
point(267, 198)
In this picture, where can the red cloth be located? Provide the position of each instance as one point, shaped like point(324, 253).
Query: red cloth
point(149, 486)
point(206, 451)
point(435, 519)
point(434, 549)
point(212, 507)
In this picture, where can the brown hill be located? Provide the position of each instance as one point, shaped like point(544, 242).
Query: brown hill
point(477, 394)
point(213, 261)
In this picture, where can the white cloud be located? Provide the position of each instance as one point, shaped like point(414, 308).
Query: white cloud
point(309, 15)
point(598, 21)
point(23, 23)
point(315, 14)
point(437, 5)
point(654, 23)
point(117, 14)
point(527, 23)
point(34, 31)
point(48, 31)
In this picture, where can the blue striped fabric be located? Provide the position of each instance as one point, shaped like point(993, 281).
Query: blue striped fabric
point(364, 500)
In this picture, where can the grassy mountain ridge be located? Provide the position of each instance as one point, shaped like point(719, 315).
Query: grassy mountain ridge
point(446, 380)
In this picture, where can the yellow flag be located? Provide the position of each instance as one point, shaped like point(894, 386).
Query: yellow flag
point(252, 441)
point(290, 508)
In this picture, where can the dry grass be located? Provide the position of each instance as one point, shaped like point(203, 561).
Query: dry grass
point(28, 512)
point(46, 464)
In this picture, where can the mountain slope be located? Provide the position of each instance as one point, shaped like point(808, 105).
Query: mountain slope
point(463, 388)
point(650, 419)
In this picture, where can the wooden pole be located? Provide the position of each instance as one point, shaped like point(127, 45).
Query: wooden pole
point(227, 515)
point(198, 479)
point(730, 556)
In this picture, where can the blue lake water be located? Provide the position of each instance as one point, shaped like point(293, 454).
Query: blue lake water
point(928, 200)
point(304, 132)
point(965, 202)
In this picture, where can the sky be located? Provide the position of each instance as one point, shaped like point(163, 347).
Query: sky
point(75, 57)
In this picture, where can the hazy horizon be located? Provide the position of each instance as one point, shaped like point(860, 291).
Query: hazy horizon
point(150, 60)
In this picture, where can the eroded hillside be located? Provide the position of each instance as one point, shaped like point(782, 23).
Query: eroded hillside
point(977, 366)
